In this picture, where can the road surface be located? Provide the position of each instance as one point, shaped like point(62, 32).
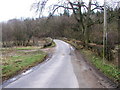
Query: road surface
point(62, 70)
point(55, 73)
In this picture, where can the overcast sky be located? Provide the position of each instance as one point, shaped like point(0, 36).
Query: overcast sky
point(15, 9)
point(10, 9)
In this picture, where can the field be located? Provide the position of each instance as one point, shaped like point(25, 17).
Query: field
point(18, 59)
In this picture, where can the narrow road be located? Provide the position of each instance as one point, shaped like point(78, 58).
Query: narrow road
point(55, 73)
point(63, 70)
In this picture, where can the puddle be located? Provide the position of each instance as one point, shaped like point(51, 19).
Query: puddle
point(27, 72)
point(5, 83)
point(72, 48)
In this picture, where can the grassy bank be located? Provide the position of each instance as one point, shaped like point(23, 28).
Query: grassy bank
point(20, 59)
point(107, 68)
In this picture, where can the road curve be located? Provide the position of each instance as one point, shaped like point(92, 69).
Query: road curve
point(55, 73)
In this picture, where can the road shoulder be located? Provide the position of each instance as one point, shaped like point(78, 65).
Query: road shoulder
point(85, 70)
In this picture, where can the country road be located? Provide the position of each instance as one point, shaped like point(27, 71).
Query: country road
point(62, 70)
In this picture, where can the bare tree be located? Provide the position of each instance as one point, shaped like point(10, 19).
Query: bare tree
point(77, 7)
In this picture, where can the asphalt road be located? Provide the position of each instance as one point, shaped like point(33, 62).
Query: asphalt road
point(55, 73)
point(65, 69)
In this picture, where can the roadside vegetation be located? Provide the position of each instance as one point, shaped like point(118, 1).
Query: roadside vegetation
point(49, 43)
point(52, 45)
point(27, 48)
point(19, 61)
point(78, 20)
point(108, 68)
point(16, 60)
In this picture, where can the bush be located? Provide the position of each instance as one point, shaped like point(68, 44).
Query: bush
point(48, 42)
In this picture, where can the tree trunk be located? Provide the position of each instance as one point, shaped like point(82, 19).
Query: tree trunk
point(87, 29)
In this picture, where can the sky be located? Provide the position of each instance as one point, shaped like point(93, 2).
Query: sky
point(10, 9)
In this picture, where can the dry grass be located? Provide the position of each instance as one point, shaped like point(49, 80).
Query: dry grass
point(15, 60)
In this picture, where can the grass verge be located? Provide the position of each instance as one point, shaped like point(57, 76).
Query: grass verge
point(108, 69)
point(26, 48)
point(12, 65)
point(18, 59)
